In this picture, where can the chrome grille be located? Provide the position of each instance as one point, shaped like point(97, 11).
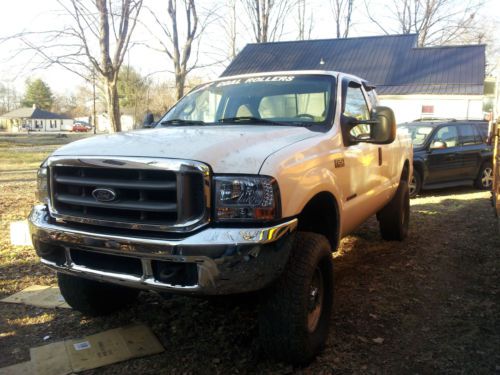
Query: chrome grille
point(147, 194)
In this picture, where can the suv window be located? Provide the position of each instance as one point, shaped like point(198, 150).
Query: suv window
point(483, 131)
point(448, 135)
point(469, 135)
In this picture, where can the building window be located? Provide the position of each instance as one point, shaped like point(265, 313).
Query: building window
point(427, 109)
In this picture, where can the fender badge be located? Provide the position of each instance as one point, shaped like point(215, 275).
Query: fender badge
point(339, 163)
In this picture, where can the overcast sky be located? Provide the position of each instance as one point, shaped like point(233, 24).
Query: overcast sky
point(36, 15)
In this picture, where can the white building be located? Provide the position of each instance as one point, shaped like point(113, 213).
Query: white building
point(34, 119)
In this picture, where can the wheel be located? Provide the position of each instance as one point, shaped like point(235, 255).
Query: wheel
point(484, 180)
point(415, 184)
point(295, 312)
point(94, 298)
point(394, 218)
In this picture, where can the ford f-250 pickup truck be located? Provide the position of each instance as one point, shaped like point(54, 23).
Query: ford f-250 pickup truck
point(248, 183)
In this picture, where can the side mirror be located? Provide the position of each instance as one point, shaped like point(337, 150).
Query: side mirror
point(149, 120)
point(383, 131)
point(437, 145)
point(382, 127)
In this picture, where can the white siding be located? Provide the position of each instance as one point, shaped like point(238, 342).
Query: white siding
point(409, 107)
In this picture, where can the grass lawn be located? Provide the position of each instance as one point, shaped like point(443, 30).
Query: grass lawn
point(20, 157)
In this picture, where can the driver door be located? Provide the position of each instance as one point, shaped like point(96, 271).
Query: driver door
point(363, 170)
point(444, 163)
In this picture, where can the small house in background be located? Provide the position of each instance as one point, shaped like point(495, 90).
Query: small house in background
point(34, 119)
point(444, 82)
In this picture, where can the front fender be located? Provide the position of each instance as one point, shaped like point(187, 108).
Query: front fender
point(304, 170)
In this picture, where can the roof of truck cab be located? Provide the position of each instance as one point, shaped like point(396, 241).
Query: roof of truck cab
point(392, 63)
point(291, 72)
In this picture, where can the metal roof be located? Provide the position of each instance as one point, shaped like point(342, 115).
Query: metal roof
point(390, 62)
point(33, 113)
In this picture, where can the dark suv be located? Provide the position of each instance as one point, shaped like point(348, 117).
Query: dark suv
point(450, 153)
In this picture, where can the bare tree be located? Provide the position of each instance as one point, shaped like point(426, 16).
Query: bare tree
point(179, 46)
point(342, 14)
point(437, 22)
point(231, 28)
point(305, 20)
point(9, 99)
point(122, 20)
point(95, 42)
point(268, 17)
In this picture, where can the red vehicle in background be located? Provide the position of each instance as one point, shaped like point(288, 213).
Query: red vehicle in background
point(81, 127)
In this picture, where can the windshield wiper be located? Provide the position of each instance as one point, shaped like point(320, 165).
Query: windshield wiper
point(250, 119)
point(178, 121)
point(263, 121)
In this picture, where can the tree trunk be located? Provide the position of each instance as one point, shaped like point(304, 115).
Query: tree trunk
point(113, 107)
point(180, 81)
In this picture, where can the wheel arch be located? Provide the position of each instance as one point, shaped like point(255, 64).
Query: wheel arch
point(321, 215)
point(405, 173)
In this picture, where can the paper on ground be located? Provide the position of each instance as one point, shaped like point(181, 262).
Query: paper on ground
point(40, 296)
point(23, 368)
point(94, 351)
point(20, 233)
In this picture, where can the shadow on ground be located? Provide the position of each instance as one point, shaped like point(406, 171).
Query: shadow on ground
point(429, 304)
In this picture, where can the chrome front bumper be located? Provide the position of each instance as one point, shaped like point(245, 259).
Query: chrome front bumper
point(227, 260)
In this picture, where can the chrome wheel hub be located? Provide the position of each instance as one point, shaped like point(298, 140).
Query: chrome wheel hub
point(487, 177)
point(412, 185)
point(315, 300)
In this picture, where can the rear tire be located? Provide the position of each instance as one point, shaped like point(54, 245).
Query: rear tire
point(94, 298)
point(415, 184)
point(295, 312)
point(394, 218)
point(484, 180)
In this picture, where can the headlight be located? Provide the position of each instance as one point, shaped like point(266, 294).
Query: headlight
point(42, 183)
point(246, 198)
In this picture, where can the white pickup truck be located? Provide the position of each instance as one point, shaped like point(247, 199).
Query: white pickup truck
point(248, 183)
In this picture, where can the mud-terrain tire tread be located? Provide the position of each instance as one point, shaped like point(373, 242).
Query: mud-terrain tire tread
point(283, 311)
point(94, 298)
point(392, 227)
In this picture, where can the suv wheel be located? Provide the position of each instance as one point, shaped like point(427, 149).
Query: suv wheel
point(295, 312)
point(94, 298)
point(394, 218)
point(415, 184)
point(484, 180)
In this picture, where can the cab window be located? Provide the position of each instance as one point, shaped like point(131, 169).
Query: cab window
point(355, 106)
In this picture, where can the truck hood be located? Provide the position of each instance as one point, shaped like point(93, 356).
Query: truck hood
point(226, 148)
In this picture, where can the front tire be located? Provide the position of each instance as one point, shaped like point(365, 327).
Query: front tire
point(295, 314)
point(94, 298)
point(394, 218)
point(484, 180)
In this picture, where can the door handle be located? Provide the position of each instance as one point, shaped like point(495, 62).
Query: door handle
point(451, 156)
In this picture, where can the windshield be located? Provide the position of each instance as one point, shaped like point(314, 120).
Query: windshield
point(273, 100)
point(418, 133)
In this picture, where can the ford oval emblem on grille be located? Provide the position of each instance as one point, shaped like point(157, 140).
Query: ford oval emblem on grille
point(104, 195)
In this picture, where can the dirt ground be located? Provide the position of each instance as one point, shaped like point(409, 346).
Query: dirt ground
point(430, 304)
